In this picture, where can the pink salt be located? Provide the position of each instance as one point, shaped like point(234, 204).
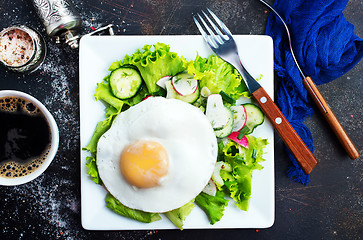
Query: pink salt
point(16, 47)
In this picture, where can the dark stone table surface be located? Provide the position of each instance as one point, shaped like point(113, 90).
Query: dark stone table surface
point(330, 207)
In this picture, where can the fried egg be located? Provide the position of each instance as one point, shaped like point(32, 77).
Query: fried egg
point(158, 155)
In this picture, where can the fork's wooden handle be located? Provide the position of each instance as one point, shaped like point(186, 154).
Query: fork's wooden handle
point(333, 121)
point(296, 145)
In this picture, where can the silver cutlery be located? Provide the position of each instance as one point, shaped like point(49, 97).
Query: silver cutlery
point(220, 40)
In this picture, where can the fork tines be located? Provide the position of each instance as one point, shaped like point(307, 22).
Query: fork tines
point(220, 34)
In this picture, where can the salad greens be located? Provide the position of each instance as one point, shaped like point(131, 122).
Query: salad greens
point(238, 181)
point(101, 128)
point(177, 216)
point(217, 75)
point(154, 62)
point(138, 215)
point(104, 92)
point(92, 170)
point(212, 205)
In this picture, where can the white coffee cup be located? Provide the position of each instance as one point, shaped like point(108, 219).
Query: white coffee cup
point(54, 140)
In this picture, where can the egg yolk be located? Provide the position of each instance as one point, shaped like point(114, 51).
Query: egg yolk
point(143, 163)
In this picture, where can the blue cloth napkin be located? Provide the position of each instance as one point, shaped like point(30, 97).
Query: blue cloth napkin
point(325, 47)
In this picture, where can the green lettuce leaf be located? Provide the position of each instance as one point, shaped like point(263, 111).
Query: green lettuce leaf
point(240, 189)
point(104, 92)
point(115, 65)
point(243, 161)
point(153, 62)
point(141, 216)
point(212, 206)
point(101, 128)
point(111, 111)
point(177, 216)
point(254, 154)
point(217, 75)
point(92, 170)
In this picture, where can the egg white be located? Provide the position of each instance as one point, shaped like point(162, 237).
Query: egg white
point(187, 136)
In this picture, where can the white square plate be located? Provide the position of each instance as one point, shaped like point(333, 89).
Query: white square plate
point(96, 55)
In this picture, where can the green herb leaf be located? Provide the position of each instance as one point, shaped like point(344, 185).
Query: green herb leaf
point(243, 132)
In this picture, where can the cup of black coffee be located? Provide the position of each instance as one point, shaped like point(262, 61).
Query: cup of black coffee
point(29, 138)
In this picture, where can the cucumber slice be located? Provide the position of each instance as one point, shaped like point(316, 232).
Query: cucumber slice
point(215, 112)
point(220, 116)
point(125, 82)
point(171, 93)
point(184, 84)
point(227, 128)
point(255, 117)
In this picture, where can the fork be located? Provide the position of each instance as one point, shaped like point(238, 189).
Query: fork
point(221, 41)
point(318, 98)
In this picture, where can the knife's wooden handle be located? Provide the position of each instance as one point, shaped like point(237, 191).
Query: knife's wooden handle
point(298, 148)
point(331, 118)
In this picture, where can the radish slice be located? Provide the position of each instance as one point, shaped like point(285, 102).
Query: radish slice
point(240, 117)
point(243, 141)
point(161, 81)
point(184, 84)
point(146, 97)
point(210, 188)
